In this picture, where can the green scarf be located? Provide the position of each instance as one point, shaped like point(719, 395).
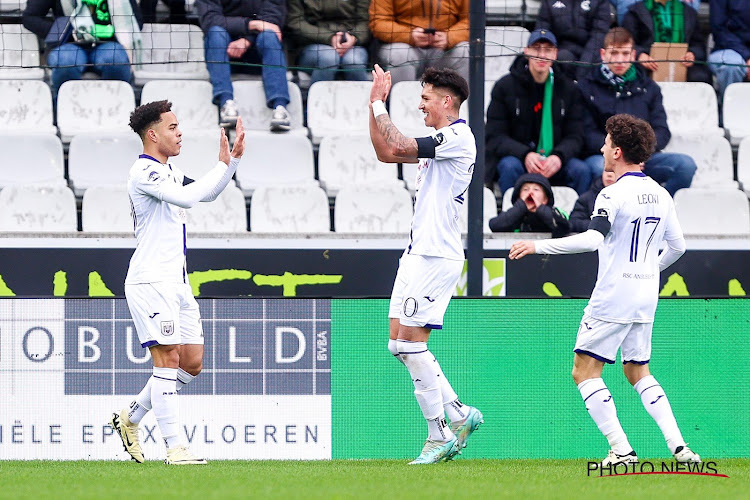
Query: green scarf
point(669, 20)
point(546, 134)
point(619, 82)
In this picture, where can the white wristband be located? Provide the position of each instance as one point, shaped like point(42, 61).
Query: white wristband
point(378, 108)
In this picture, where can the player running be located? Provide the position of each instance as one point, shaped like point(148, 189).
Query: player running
point(157, 290)
point(631, 219)
point(431, 265)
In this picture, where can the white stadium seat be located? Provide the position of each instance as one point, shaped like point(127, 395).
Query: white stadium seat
point(12, 6)
point(489, 210)
point(691, 108)
point(502, 45)
point(101, 159)
point(28, 158)
point(199, 152)
point(404, 109)
point(736, 111)
point(289, 209)
point(94, 106)
point(373, 209)
point(256, 116)
point(345, 160)
point(338, 107)
point(191, 102)
point(19, 53)
point(171, 52)
point(713, 211)
point(226, 214)
point(38, 209)
point(743, 164)
point(26, 105)
point(276, 159)
point(106, 209)
point(712, 155)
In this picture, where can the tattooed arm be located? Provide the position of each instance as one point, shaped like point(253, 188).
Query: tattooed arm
point(390, 144)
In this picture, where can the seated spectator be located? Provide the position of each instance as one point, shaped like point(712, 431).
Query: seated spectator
point(623, 5)
point(619, 86)
point(584, 207)
point(176, 11)
point(730, 59)
point(579, 25)
point(533, 209)
point(669, 21)
point(420, 35)
point(332, 36)
point(99, 42)
point(248, 31)
point(534, 121)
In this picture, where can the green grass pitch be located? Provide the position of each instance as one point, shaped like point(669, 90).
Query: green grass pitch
point(388, 479)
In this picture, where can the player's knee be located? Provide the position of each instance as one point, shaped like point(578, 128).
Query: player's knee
point(578, 375)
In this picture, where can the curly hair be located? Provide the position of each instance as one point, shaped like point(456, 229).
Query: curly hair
point(144, 116)
point(448, 79)
point(633, 136)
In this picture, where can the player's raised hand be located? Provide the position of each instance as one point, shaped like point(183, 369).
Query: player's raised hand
point(381, 84)
point(239, 141)
point(224, 147)
point(521, 249)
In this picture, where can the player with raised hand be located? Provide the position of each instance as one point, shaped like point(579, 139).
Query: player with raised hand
point(432, 263)
point(631, 220)
point(157, 290)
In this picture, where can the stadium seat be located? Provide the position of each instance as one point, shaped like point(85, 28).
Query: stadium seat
point(338, 107)
point(712, 155)
point(12, 6)
point(38, 209)
point(19, 54)
point(256, 116)
point(101, 159)
point(502, 45)
point(276, 159)
point(565, 198)
point(289, 209)
point(28, 158)
point(191, 102)
point(373, 209)
point(106, 209)
point(94, 106)
point(199, 152)
point(489, 210)
point(743, 164)
point(26, 105)
point(512, 8)
point(171, 52)
point(405, 113)
point(736, 110)
point(345, 160)
point(713, 211)
point(691, 108)
point(226, 214)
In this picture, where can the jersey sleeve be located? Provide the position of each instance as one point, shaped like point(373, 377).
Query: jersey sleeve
point(150, 179)
point(673, 230)
point(443, 144)
point(605, 206)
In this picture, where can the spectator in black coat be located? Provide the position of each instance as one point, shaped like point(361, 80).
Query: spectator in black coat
point(584, 207)
point(533, 209)
point(730, 25)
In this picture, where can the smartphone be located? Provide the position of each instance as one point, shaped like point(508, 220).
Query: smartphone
point(430, 31)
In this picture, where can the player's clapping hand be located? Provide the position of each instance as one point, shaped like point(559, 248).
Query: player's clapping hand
point(224, 147)
point(381, 84)
point(239, 141)
point(521, 249)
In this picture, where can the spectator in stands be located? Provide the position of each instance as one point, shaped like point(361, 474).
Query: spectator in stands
point(100, 42)
point(619, 86)
point(417, 35)
point(534, 121)
point(332, 35)
point(584, 207)
point(730, 24)
point(670, 21)
point(247, 31)
point(579, 25)
point(533, 209)
point(176, 11)
point(623, 5)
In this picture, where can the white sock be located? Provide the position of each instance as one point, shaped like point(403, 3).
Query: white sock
point(602, 409)
point(424, 373)
point(393, 347)
point(455, 409)
point(183, 378)
point(164, 400)
point(141, 404)
point(657, 405)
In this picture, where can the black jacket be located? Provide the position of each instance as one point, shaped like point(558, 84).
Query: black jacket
point(639, 22)
point(235, 15)
point(640, 98)
point(578, 25)
point(35, 15)
point(584, 207)
point(730, 24)
point(546, 219)
point(510, 129)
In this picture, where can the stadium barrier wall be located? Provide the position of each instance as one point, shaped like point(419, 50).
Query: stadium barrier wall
point(313, 379)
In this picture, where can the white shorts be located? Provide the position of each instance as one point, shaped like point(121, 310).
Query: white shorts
point(422, 290)
point(601, 339)
point(164, 313)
